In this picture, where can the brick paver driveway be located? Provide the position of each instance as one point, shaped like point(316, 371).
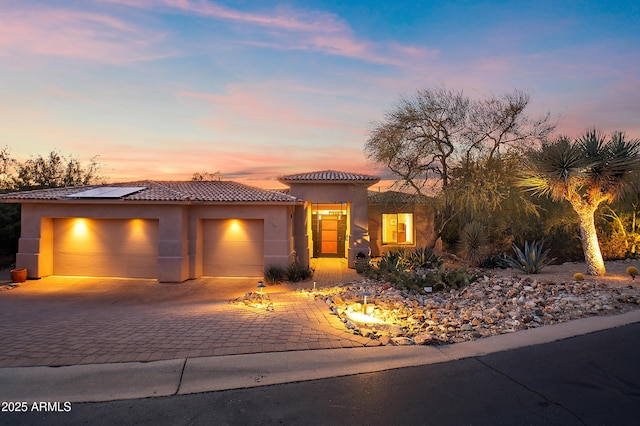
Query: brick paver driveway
point(69, 320)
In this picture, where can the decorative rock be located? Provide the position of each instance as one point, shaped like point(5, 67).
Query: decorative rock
point(385, 340)
point(395, 330)
point(426, 339)
point(487, 307)
point(402, 341)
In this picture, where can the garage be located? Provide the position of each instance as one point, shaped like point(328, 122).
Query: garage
point(233, 247)
point(125, 248)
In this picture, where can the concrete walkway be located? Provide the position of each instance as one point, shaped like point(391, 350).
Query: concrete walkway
point(81, 339)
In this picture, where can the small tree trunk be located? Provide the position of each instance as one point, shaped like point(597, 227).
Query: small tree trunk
point(590, 244)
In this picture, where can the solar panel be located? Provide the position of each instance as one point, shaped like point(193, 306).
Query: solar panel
point(108, 192)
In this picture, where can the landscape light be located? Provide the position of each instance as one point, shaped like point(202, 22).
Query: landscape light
point(364, 305)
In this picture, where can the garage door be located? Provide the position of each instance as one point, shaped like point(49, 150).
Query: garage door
point(105, 247)
point(233, 248)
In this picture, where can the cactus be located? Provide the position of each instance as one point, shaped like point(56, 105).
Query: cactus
point(532, 260)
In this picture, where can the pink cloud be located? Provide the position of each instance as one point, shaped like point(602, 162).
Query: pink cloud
point(240, 162)
point(73, 34)
point(285, 28)
point(265, 104)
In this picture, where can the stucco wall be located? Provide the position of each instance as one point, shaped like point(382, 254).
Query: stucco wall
point(354, 194)
point(423, 219)
point(179, 232)
point(278, 224)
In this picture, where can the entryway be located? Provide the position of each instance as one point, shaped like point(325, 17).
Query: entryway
point(329, 229)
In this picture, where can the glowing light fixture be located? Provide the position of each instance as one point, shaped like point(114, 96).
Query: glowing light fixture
point(80, 228)
point(365, 294)
point(362, 318)
point(234, 225)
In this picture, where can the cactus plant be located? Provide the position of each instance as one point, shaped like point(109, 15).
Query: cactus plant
point(532, 260)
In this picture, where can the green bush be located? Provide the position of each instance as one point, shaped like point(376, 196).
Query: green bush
point(298, 272)
point(274, 274)
point(422, 257)
point(416, 269)
point(495, 261)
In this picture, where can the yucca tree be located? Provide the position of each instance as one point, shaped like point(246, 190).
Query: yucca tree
point(586, 172)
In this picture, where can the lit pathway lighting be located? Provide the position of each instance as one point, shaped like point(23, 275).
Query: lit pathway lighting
point(261, 286)
point(365, 294)
point(314, 286)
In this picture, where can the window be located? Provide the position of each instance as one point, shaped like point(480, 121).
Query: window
point(397, 228)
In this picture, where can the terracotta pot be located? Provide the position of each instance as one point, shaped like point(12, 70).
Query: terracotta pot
point(18, 275)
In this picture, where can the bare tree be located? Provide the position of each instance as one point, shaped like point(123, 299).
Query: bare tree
point(429, 136)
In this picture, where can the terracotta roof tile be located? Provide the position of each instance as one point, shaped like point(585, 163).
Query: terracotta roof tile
point(329, 176)
point(202, 191)
point(395, 197)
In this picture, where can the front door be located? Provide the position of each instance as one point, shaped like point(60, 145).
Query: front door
point(329, 229)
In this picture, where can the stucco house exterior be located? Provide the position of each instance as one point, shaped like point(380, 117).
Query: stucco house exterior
point(174, 231)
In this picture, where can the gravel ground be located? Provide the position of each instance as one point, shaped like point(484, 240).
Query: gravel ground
point(502, 301)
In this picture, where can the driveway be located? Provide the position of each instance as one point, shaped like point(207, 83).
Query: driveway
point(58, 321)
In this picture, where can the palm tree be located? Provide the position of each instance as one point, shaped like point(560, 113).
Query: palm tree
point(587, 172)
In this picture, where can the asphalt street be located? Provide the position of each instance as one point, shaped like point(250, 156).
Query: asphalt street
point(587, 380)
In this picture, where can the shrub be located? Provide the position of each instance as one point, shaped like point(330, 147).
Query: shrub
point(632, 271)
point(274, 274)
point(578, 276)
point(298, 272)
point(362, 263)
point(473, 241)
point(532, 260)
point(422, 257)
point(495, 261)
point(392, 262)
point(416, 269)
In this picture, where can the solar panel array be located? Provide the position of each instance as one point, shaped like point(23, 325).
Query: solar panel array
point(108, 192)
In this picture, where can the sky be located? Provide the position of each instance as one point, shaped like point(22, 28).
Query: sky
point(162, 89)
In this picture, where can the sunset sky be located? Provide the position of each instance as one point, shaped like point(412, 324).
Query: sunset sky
point(161, 89)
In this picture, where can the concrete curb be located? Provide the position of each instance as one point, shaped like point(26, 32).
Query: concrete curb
point(106, 382)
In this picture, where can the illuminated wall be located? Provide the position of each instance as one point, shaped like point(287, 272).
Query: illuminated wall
point(105, 247)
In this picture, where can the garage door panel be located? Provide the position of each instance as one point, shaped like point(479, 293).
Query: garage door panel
point(106, 247)
point(233, 247)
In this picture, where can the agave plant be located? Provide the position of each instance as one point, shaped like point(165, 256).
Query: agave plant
point(423, 257)
point(532, 260)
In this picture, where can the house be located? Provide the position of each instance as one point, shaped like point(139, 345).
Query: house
point(174, 231)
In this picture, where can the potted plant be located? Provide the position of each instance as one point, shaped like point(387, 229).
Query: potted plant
point(19, 275)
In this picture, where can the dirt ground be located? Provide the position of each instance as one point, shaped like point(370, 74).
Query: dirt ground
point(616, 273)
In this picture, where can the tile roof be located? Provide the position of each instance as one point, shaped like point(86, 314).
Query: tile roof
point(395, 197)
point(198, 191)
point(329, 176)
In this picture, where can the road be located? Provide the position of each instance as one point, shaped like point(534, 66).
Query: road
point(588, 380)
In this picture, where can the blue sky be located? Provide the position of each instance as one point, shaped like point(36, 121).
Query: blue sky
point(162, 89)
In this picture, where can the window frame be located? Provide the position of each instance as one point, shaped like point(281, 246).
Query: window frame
point(394, 219)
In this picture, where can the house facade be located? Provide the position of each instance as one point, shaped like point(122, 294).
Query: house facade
point(174, 231)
